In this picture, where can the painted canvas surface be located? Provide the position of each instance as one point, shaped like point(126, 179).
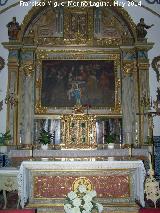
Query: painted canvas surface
point(86, 82)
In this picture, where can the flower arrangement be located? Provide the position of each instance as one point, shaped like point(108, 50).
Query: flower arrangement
point(45, 137)
point(5, 138)
point(82, 201)
point(110, 138)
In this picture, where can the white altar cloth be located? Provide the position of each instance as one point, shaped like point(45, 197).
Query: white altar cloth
point(23, 184)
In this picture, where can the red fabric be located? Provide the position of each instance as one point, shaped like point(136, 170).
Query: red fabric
point(18, 211)
point(149, 210)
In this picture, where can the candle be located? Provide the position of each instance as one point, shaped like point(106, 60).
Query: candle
point(103, 131)
point(128, 137)
point(130, 152)
point(20, 140)
point(30, 152)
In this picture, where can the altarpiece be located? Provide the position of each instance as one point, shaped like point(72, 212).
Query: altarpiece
point(82, 74)
point(63, 51)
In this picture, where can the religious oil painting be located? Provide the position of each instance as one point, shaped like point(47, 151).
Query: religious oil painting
point(66, 83)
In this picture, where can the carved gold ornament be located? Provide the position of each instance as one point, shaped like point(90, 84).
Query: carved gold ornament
point(78, 131)
point(129, 68)
point(39, 109)
point(82, 181)
point(28, 69)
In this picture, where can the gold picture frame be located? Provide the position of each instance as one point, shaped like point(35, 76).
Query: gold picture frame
point(67, 55)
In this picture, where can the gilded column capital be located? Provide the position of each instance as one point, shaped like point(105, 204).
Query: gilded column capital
point(129, 67)
point(28, 69)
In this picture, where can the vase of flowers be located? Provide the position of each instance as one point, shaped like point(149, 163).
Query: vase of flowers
point(82, 201)
point(45, 139)
point(110, 140)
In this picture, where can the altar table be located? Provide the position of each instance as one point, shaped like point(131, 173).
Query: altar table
point(47, 183)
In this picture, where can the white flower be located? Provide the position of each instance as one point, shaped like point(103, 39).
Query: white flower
point(82, 188)
point(72, 195)
point(68, 211)
point(67, 208)
point(92, 193)
point(87, 198)
point(88, 206)
point(76, 210)
point(74, 202)
point(100, 207)
point(85, 211)
point(77, 202)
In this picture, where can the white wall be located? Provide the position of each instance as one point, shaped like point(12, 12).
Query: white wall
point(135, 12)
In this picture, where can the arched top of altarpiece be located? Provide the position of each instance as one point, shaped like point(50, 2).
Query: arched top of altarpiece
point(114, 26)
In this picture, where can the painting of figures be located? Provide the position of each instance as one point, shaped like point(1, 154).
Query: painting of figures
point(66, 83)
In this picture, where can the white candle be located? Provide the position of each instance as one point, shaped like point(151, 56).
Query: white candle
point(130, 151)
point(128, 137)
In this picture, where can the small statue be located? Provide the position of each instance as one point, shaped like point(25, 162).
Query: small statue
point(13, 29)
point(140, 29)
point(77, 94)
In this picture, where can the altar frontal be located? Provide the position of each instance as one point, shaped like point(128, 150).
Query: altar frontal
point(47, 183)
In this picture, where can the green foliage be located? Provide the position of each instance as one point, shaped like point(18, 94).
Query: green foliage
point(149, 140)
point(45, 137)
point(110, 138)
point(4, 138)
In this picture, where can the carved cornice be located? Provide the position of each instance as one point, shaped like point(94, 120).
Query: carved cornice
point(12, 45)
point(75, 54)
point(144, 46)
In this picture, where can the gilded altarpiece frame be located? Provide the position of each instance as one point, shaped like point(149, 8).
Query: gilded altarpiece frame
point(130, 63)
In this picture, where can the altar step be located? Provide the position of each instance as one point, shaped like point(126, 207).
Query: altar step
point(105, 211)
point(110, 208)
